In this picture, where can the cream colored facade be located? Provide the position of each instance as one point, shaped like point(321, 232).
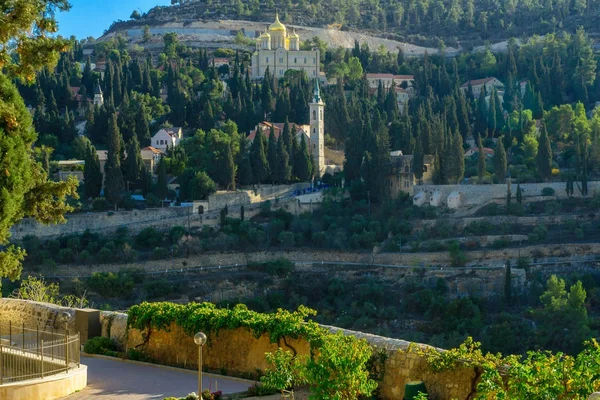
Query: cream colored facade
point(280, 51)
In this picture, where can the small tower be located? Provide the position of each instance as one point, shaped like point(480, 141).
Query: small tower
point(98, 96)
point(317, 131)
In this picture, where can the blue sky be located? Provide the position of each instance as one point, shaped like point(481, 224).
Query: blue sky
point(92, 17)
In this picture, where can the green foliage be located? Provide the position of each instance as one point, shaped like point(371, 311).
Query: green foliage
point(281, 267)
point(548, 191)
point(339, 371)
point(109, 284)
point(101, 345)
point(285, 371)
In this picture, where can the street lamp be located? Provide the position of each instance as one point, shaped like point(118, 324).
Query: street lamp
point(200, 340)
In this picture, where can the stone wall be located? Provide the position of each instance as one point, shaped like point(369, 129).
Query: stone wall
point(33, 314)
point(239, 352)
point(480, 194)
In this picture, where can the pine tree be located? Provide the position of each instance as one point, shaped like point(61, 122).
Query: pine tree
point(544, 155)
point(114, 186)
point(303, 163)
point(92, 174)
point(418, 158)
point(458, 158)
point(500, 161)
point(284, 170)
point(480, 160)
point(492, 123)
point(162, 190)
point(228, 169)
point(258, 159)
point(133, 163)
point(272, 155)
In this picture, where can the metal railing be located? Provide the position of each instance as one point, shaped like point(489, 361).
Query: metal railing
point(36, 353)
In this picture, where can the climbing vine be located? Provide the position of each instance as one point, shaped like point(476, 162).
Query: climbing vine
point(207, 317)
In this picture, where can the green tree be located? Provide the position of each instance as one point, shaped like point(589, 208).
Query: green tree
point(272, 155)
point(500, 161)
point(133, 163)
point(92, 174)
point(507, 284)
point(519, 194)
point(480, 160)
point(544, 155)
point(162, 190)
point(114, 185)
point(339, 369)
point(146, 35)
point(258, 159)
point(302, 162)
point(564, 324)
point(284, 169)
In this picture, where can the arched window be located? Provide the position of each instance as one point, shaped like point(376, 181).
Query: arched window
point(424, 168)
point(406, 169)
point(295, 60)
point(314, 115)
point(314, 130)
point(321, 115)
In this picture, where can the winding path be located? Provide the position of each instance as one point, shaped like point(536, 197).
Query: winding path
point(118, 380)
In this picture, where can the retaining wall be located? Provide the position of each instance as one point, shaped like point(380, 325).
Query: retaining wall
point(480, 194)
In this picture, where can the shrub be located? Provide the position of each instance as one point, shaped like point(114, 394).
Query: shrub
point(457, 257)
point(66, 256)
point(500, 243)
point(176, 233)
point(149, 238)
point(159, 288)
point(548, 191)
point(160, 253)
point(101, 345)
point(105, 255)
point(100, 204)
point(279, 267)
point(109, 284)
point(257, 390)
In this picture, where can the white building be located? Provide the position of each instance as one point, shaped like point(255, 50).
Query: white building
point(166, 137)
point(280, 52)
point(388, 79)
point(477, 86)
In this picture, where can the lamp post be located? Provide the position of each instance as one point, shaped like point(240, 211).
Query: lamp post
point(200, 340)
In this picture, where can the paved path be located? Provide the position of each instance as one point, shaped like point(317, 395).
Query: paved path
point(117, 380)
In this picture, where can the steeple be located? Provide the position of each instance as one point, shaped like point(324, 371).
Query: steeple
point(317, 92)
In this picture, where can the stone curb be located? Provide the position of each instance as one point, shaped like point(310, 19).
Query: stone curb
point(189, 371)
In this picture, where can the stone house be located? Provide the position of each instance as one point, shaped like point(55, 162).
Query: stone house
point(388, 79)
point(401, 177)
point(151, 156)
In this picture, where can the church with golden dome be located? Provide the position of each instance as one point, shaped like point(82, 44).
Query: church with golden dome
point(280, 51)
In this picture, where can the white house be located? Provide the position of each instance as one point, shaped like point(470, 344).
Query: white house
point(387, 80)
point(477, 86)
point(151, 156)
point(166, 137)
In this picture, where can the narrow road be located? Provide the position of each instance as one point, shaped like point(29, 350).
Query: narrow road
point(117, 380)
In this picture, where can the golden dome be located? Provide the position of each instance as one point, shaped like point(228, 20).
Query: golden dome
point(294, 35)
point(277, 25)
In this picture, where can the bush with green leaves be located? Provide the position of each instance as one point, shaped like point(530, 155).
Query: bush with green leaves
point(109, 284)
point(101, 345)
point(548, 191)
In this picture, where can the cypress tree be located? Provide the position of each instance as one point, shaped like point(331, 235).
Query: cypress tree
point(272, 155)
point(133, 163)
point(500, 161)
point(492, 122)
point(507, 284)
point(162, 190)
point(287, 136)
point(258, 159)
point(113, 180)
point(228, 169)
point(303, 162)
point(481, 116)
point(544, 155)
point(284, 170)
point(92, 174)
point(480, 160)
point(418, 158)
point(458, 158)
point(519, 194)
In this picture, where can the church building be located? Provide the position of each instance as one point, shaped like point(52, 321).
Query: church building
point(280, 51)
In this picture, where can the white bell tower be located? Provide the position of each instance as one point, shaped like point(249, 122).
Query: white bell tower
point(317, 131)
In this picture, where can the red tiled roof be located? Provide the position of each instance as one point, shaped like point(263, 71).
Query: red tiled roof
point(265, 128)
point(405, 77)
point(153, 149)
point(486, 150)
point(380, 76)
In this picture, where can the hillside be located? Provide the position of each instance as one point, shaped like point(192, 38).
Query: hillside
point(453, 23)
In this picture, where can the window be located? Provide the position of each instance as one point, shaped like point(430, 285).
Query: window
point(424, 168)
point(314, 72)
point(314, 114)
point(295, 60)
point(406, 184)
point(406, 169)
point(314, 130)
point(314, 60)
point(281, 60)
point(321, 115)
point(314, 146)
point(280, 72)
point(304, 60)
point(267, 60)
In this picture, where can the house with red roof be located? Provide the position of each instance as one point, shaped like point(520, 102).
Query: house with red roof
point(166, 137)
point(477, 85)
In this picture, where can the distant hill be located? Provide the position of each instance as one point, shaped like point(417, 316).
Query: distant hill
point(431, 23)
